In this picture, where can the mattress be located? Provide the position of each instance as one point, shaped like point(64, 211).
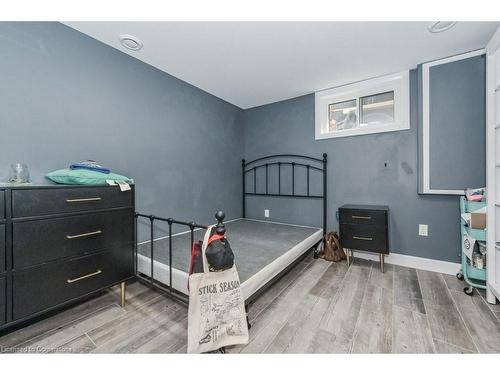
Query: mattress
point(262, 249)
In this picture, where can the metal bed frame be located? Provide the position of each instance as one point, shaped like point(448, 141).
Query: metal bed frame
point(150, 280)
point(259, 163)
point(315, 165)
point(318, 165)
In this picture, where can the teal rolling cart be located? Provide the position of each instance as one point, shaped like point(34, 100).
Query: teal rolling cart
point(475, 277)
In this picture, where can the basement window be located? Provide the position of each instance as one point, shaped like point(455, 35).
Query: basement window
point(372, 106)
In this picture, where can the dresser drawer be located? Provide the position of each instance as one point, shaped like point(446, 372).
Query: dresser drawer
point(364, 237)
point(41, 241)
point(3, 301)
point(27, 203)
point(47, 286)
point(356, 216)
point(2, 204)
point(2, 248)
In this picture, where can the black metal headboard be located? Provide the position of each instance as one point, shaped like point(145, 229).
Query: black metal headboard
point(311, 164)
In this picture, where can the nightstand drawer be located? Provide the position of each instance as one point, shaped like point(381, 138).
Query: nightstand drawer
point(3, 301)
point(70, 236)
point(2, 248)
point(28, 203)
point(355, 216)
point(364, 237)
point(45, 287)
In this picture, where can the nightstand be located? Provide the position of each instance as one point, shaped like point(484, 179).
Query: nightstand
point(366, 228)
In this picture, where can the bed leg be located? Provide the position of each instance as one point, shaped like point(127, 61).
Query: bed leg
point(317, 250)
point(123, 289)
point(248, 323)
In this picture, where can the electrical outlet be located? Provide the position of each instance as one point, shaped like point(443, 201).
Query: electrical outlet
point(423, 230)
point(266, 213)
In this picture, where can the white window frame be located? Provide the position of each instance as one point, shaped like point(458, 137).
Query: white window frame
point(426, 167)
point(399, 83)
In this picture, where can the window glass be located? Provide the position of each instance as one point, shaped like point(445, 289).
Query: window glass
point(343, 115)
point(372, 106)
point(377, 109)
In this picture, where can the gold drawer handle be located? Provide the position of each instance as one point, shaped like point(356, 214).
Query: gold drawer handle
point(362, 238)
point(362, 217)
point(83, 200)
point(69, 281)
point(70, 237)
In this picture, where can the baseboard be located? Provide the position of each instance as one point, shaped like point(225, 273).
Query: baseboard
point(426, 264)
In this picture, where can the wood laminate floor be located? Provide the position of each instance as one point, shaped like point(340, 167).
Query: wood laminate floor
point(318, 307)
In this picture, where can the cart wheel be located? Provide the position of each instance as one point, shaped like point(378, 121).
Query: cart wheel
point(460, 276)
point(468, 290)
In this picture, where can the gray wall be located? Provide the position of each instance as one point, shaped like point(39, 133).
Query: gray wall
point(457, 124)
point(66, 97)
point(357, 174)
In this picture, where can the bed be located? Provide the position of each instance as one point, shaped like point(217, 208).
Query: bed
point(264, 250)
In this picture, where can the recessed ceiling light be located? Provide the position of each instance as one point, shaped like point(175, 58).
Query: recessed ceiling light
point(440, 26)
point(130, 42)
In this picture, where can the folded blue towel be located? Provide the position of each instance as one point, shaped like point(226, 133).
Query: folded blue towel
point(90, 165)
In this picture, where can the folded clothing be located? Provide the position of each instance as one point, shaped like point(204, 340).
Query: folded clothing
point(85, 177)
point(475, 195)
point(91, 165)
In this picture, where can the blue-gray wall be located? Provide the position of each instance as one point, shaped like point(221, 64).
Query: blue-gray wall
point(357, 174)
point(66, 97)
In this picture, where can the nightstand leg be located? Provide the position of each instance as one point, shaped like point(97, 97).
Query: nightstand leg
point(381, 262)
point(123, 288)
point(348, 258)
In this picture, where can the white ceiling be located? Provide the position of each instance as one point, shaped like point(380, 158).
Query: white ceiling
point(253, 63)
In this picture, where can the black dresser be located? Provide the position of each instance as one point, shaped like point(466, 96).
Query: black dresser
point(59, 244)
point(365, 227)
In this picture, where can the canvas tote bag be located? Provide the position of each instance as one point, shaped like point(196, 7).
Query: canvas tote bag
point(216, 315)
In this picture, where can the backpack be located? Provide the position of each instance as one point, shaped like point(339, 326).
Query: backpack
point(219, 254)
point(332, 249)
